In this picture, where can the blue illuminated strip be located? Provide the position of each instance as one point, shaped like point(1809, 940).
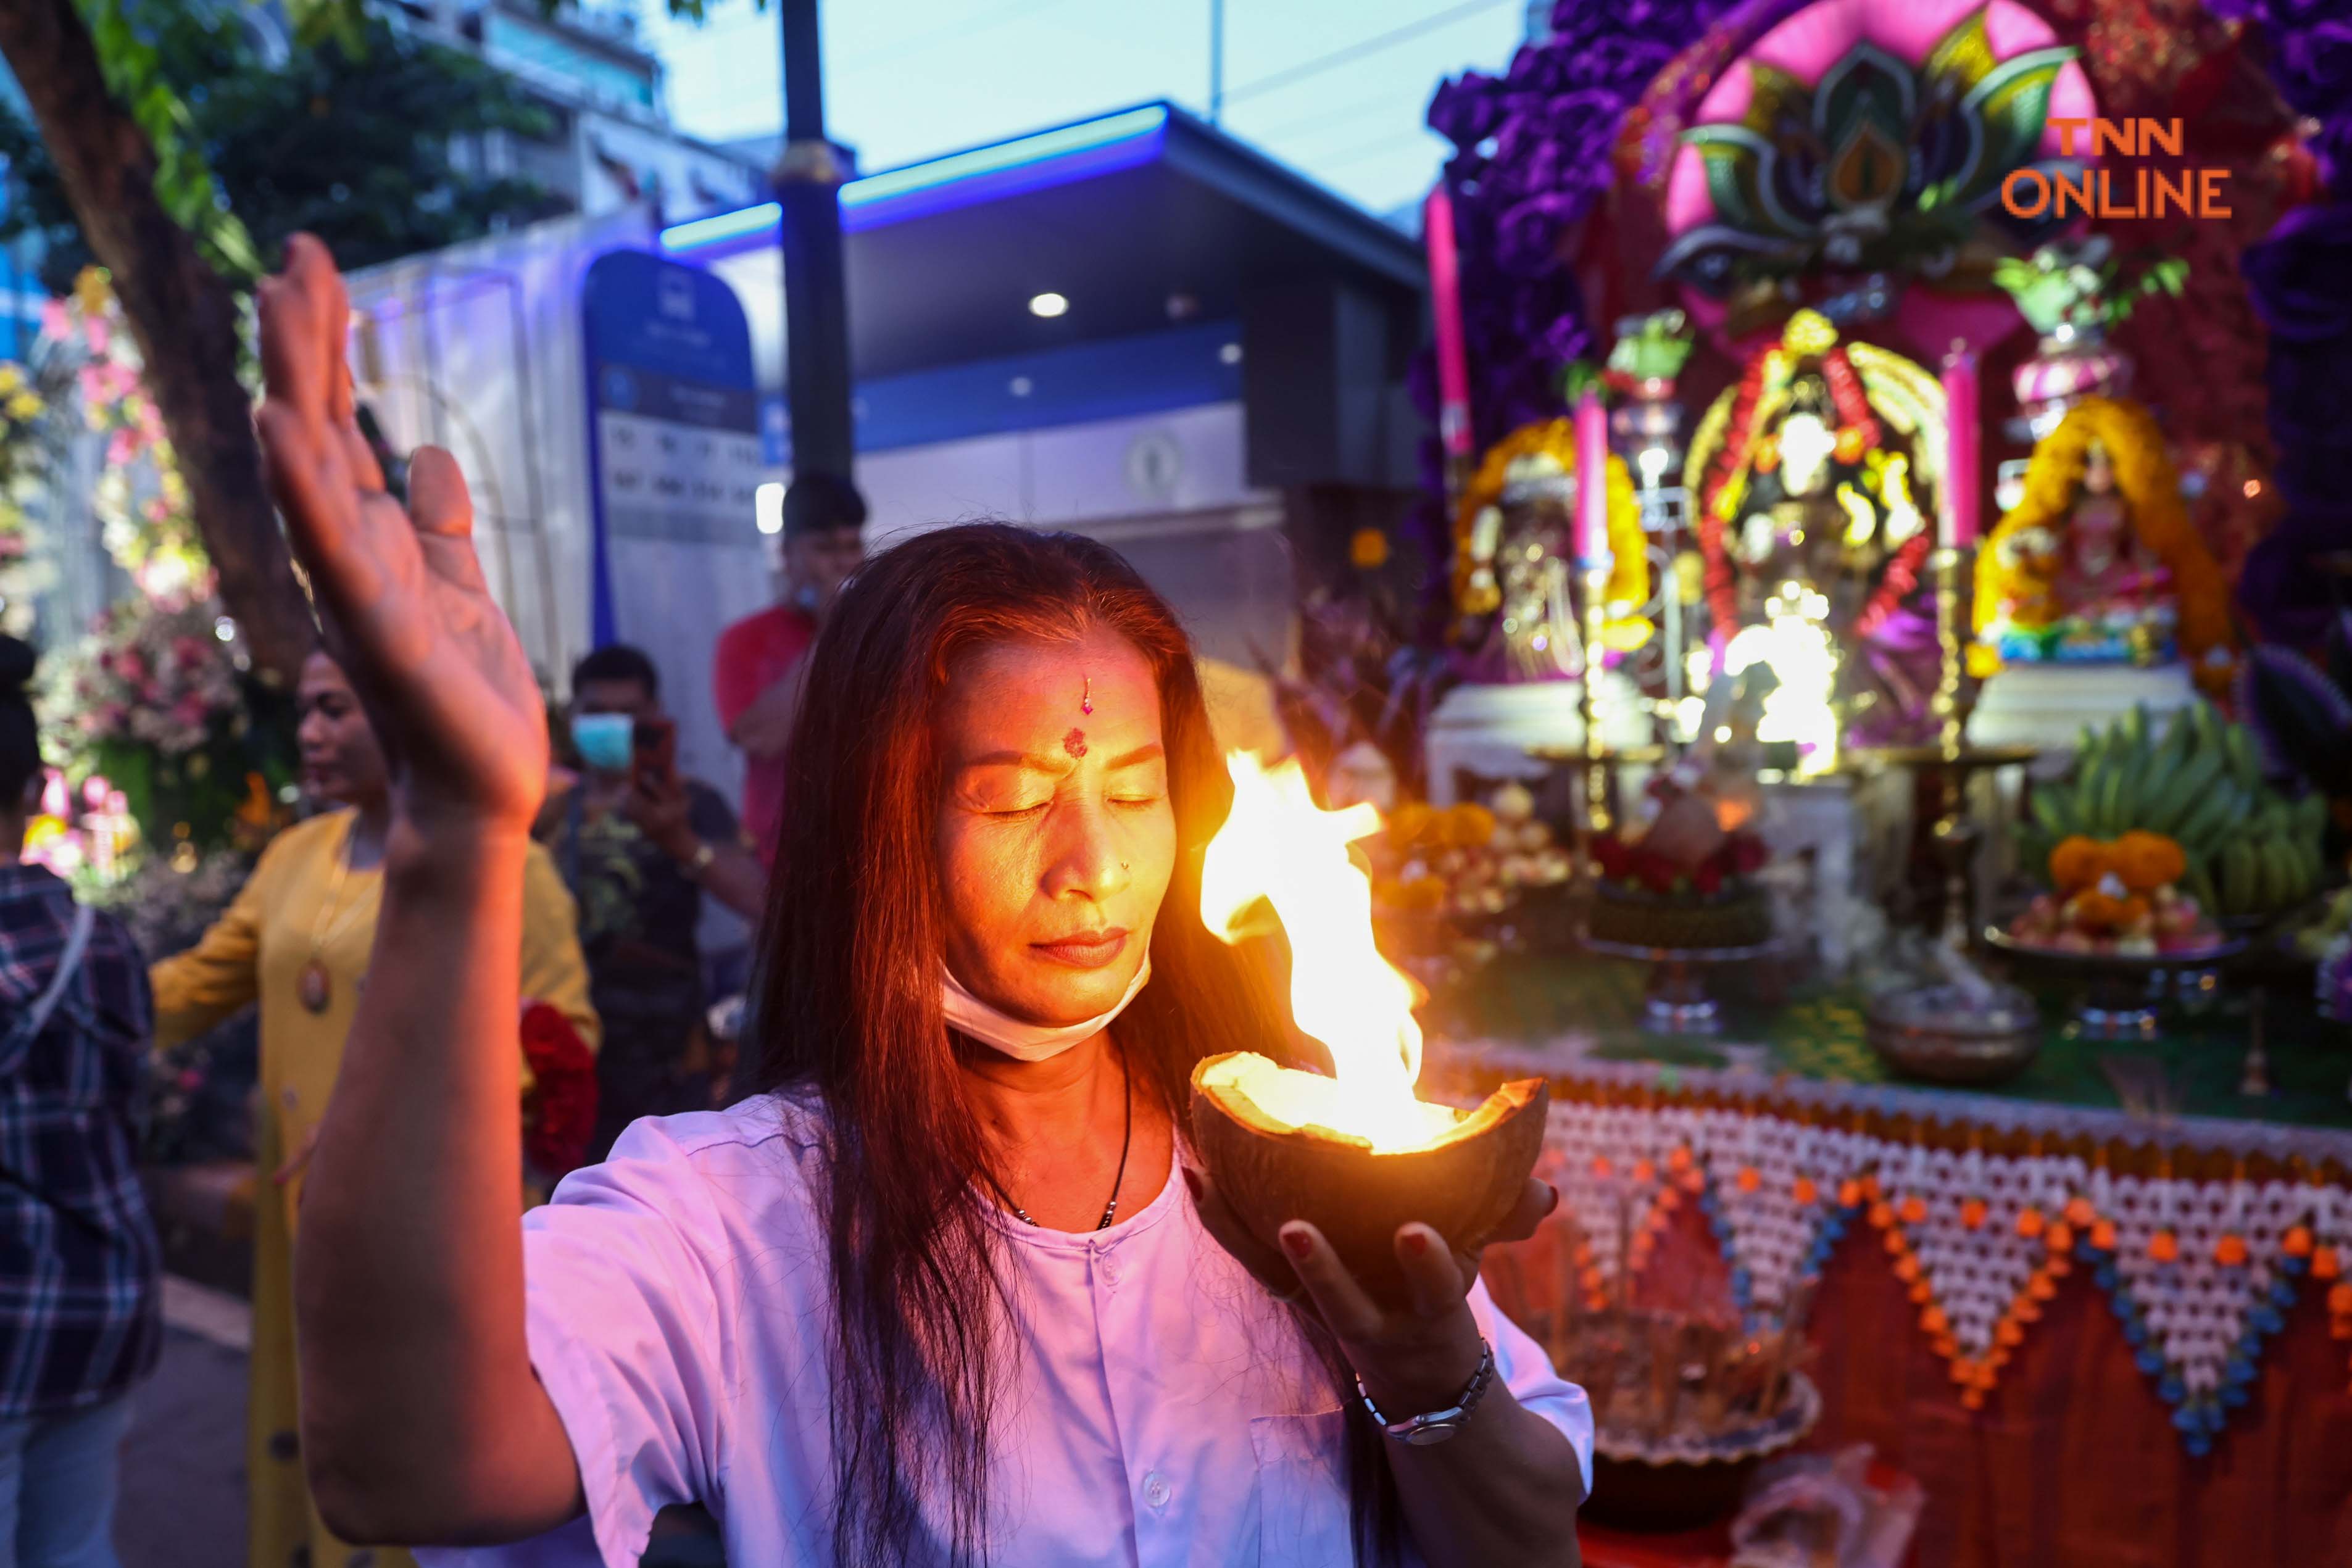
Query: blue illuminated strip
point(721, 227)
point(1025, 164)
point(960, 179)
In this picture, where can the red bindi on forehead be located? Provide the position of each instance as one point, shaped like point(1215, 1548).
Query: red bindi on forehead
point(1075, 743)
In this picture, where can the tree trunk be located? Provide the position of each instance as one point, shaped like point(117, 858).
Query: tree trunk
point(185, 317)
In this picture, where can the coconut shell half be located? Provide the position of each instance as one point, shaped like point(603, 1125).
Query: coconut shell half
point(1463, 1185)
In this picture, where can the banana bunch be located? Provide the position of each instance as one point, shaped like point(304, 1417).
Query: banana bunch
point(2273, 863)
point(2250, 850)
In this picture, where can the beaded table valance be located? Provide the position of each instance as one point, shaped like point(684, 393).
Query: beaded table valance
point(2201, 1232)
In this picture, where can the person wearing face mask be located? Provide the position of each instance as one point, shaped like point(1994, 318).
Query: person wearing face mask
point(639, 846)
point(300, 939)
point(758, 669)
point(953, 1287)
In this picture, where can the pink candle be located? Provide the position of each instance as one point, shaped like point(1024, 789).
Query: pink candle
point(1445, 305)
point(1591, 480)
point(1963, 450)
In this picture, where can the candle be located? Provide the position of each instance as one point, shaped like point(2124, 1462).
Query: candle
point(1591, 481)
point(1963, 451)
point(1445, 305)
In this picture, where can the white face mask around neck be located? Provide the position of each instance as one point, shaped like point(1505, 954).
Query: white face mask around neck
point(1025, 1041)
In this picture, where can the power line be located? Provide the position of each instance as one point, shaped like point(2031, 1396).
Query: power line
point(971, 26)
point(987, 21)
point(1345, 113)
point(1317, 65)
point(1386, 144)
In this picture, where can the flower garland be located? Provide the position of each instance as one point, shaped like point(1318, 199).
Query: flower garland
point(2151, 488)
point(1732, 443)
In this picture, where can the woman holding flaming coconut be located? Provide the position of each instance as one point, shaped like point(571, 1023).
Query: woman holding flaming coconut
point(938, 1296)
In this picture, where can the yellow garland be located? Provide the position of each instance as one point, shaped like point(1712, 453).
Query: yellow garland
point(2151, 492)
point(1629, 569)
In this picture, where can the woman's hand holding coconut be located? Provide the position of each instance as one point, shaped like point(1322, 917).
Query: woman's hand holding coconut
point(1414, 1355)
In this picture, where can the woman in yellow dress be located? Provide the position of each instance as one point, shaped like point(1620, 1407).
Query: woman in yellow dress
point(298, 940)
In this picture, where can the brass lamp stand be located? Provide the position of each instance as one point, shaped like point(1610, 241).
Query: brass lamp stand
point(1956, 837)
point(1597, 818)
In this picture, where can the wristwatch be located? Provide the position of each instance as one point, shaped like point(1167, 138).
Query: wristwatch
point(699, 861)
point(1421, 1431)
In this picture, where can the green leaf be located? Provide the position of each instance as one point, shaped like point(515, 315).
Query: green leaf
point(1739, 163)
point(2012, 105)
point(1575, 377)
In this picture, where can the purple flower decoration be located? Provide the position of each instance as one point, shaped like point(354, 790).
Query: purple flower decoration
point(1535, 154)
point(2298, 275)
point(2300, 278)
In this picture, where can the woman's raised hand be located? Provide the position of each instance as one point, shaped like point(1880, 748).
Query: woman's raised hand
point(407, 611)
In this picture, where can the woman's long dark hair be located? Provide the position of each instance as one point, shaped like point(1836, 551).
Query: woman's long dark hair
point(849, 1009)
point(20, 734)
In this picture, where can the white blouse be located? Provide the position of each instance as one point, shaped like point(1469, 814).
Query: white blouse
point(1162, 1411)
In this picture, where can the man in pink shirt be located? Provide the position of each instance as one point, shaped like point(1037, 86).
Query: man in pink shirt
point(756, 671)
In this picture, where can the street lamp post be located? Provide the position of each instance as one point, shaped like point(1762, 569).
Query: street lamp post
point(808, 178)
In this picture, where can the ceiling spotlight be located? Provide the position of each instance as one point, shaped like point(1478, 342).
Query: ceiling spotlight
point(1182, 307)
point(1230, 354)
point(1048, 305)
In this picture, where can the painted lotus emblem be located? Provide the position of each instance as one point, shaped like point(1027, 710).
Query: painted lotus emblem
point(1884, 162)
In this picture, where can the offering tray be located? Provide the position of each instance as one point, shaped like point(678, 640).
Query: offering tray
point(1676, 1481)
point(2120, 991)
point(1678, 1001)
point(1931, 1031)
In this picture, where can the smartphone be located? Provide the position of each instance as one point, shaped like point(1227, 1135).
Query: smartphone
point(654, 752)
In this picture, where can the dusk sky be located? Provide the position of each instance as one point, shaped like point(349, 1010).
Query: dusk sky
point(1333, 87)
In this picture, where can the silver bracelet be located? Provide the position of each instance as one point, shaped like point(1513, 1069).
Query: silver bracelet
point(1421, 1431)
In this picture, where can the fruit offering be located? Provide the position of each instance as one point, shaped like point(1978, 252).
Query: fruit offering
point(2119, 896)
point(2328, 942)
point(1464, 860)
point(2316, 940)
point(2248, 850)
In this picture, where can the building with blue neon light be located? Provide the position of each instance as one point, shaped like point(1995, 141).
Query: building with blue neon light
point(1133, 326)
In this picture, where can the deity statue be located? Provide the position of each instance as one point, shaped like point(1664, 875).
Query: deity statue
point(1813, 535)
point(1515, 587)
point(2098, 563)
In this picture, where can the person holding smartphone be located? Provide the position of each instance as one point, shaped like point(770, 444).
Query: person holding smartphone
point(757, 669)
point(639, 846)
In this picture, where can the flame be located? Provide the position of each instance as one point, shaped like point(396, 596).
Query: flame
point(1278, 845)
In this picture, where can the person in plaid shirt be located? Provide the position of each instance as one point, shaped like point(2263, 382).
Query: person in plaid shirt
point(80, 1320)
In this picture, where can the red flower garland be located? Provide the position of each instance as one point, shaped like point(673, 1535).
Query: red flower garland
point(1739, 855)
point(1853, 412)
point(1722, 594)
point(558, 1115)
